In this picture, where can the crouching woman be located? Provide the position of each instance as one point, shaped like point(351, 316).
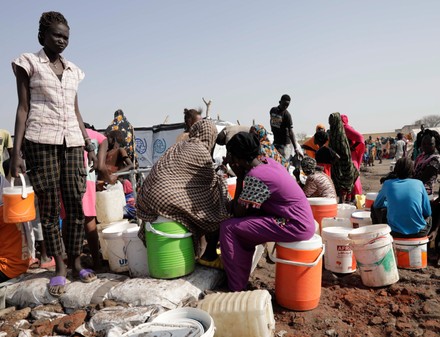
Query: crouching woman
point(268, 206)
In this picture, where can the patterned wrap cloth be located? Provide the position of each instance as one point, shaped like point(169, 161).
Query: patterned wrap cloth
point(121, 123)
point(344, 173)
point(266, 147)
point(184, 187)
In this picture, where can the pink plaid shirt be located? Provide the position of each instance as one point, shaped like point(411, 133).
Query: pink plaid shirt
point(51, 118)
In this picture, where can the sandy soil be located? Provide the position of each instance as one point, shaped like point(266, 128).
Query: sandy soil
point(410, 307)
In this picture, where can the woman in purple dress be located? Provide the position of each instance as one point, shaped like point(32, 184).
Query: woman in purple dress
point(268, 206)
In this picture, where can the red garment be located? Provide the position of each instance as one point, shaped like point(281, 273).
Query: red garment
point(14, 255)
point(358, 152)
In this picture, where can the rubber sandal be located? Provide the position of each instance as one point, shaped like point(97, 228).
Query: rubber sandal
point(48, 264)
point(34, 263)
point(60, 282)
point(217, 263)
point(84, 275)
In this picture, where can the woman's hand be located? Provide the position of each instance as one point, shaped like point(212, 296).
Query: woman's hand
point(93, 161)
point(17, 166)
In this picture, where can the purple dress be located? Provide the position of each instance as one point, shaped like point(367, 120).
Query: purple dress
point(286, 217)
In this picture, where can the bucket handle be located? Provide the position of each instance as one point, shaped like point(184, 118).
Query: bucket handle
point(24, 193)
point(297, 263)
point(151, 229)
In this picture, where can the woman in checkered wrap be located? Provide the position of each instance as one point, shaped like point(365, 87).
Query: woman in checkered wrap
point(184, 187)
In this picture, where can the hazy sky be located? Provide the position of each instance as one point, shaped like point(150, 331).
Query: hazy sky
point(376, 61)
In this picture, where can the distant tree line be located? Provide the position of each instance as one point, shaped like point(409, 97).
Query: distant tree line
point(430, 121)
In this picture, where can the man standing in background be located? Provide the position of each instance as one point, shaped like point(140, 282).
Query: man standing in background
point(282, 128)
point(5, 144)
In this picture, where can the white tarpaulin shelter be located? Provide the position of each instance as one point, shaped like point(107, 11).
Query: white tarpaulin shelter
point(153, 141)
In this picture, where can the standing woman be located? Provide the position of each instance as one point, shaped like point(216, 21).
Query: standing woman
point(357, 150)
point(50, 132)
point(344, 172)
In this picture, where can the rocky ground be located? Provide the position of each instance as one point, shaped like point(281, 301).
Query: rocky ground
point(410, 307)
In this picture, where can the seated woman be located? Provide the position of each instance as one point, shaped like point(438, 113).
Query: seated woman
point(406, 201)
point(183, 186)
point(318, 184)
point(268, 206)
point(427, 166)
point(266, 147)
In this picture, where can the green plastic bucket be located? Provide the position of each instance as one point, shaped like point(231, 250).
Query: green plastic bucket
point(170, 250)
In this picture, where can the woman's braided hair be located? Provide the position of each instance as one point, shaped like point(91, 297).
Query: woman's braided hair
point(48, 19)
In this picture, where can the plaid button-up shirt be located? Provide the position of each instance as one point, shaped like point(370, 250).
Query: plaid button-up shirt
point(51, 118)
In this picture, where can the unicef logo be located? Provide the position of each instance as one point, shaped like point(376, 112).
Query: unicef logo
point(141, 145)
point(159, 145)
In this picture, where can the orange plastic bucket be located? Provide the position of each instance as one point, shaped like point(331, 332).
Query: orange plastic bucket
point(298, 273)
point(323, 208)
point(18, 202)
point(411, 253)
point(231, 186)
point(369, 199)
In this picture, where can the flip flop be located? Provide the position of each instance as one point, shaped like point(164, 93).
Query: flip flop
point(217, 263)
point(48, 264)
point(84, 275)
point(60, 282)
point(34, 263)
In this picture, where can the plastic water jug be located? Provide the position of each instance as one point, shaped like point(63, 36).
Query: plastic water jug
point(18, 202)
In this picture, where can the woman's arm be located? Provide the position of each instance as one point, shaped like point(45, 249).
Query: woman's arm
point(23, 92)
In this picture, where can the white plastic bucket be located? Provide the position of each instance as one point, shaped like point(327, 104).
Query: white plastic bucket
point(102, 243)
point(240, 314)
point(361, 219)
point(345, 210)
point(184, 314)
point(135, 253)
point(336, 222)
point(411, 253)
point(373, 249)
point(183, 328)
point(338, 256)
point(112, 235)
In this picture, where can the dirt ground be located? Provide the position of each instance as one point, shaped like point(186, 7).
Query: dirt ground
point(410, 307)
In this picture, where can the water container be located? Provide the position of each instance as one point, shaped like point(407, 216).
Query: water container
point(338, 257)
point(135, 253)
point(345, 210)
point(189, 314)
point(170, 249)
point(369, 199)
point(232, 186)
point(115, 245)
point(298, 273)
point(373, 249)
point(240, 314)
point(102, 243)
point(336, 222)
point(411, 253)
point(184, 328)
point(361, 219)
point(110, 204)
point(18, 202)
point(323, 208)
